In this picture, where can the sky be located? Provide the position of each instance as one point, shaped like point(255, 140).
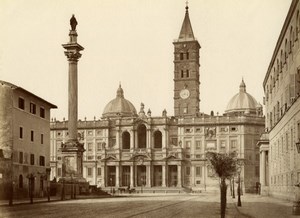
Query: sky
point(130, 42)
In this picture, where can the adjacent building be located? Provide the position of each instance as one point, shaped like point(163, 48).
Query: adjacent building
point(130, 148)
point(280, 159)
point(24, 140)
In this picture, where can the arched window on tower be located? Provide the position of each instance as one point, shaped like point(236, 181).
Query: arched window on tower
point(126, 140)
point(141, 131)
point(181, 56)
point(157, 139)
point(187, 55)
point(187, 73)
point(20, 181)
point(182, 74)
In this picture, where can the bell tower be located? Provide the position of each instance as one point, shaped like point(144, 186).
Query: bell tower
point(186, 71)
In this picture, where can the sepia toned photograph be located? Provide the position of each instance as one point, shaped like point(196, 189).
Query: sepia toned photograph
point(147, 109)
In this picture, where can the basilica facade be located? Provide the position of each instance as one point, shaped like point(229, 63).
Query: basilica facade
point(130, 148)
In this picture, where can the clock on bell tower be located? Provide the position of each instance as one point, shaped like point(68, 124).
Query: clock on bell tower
point(186, 71)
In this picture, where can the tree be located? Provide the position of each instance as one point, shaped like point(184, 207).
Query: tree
point(225, 166)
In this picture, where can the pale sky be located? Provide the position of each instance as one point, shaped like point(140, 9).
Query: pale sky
point(131, 42)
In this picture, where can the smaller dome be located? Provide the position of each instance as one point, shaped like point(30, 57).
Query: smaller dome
point(119, 107)
point(242, 102)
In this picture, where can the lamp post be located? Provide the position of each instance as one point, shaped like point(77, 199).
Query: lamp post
point(72, 196)
point(239, 203)
point(233, 194)
point(63, 190)
point(142, 181)
point(110, 184)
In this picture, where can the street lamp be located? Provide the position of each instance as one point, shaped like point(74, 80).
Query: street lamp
point(239, 204)
point(72, 187)
point(233, 194)
point(110, 184)
point(142, 180)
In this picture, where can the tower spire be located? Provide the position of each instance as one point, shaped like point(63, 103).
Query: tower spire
point(186, 33)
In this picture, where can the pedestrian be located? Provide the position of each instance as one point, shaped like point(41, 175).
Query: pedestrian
point(257, 186)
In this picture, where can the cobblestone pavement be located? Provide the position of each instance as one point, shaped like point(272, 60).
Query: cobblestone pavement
point(202, 205)
point(264, 207)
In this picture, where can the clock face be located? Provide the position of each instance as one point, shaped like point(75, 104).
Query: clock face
point(184, 93)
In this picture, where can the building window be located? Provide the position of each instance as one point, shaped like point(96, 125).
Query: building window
point(21, 103)
point(126, 140)
point(198, 145)
point(42, 139)
point(187, 56)
point(187, 73)
point(32, 108)
point(42, 112)
point(99, 146)
point(90, 146)
point(32, 135)
point(187, 156)
point(21, 132)
point(233, 144)
point(21, 181)
point(198, 171)
point(157, 139)
point(188, 130)
point(31, 159)
point(99, 171)
point(25, 158)
point(198, 182)
point(223, 144)
point(141, 136)
point(187, 144)
point(89, 171)
point(181, 56)
point(188, 171)
point(59, 172)
point(233, 129)
point(182, 74)
point(42, 161)
point(20, 157)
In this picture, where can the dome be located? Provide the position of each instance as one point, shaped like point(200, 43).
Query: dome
point(242, 102)
point(119, 107)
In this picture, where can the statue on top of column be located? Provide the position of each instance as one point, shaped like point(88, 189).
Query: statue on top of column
point(73, 22)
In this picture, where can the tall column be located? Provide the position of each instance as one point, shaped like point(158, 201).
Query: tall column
point(118, 137)
point(148, 144)
point(192, 175)
point(73, 54)
point(131, 139)
point(263, 168)
point(148, 177)
point(179, 184)
point(117, 176)
point(131, 176)
point(103, 171)
point(72, 150)
point(163, 175)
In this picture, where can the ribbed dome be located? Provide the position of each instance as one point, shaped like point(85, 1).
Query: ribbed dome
point(119, 106)
point(242, 102)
